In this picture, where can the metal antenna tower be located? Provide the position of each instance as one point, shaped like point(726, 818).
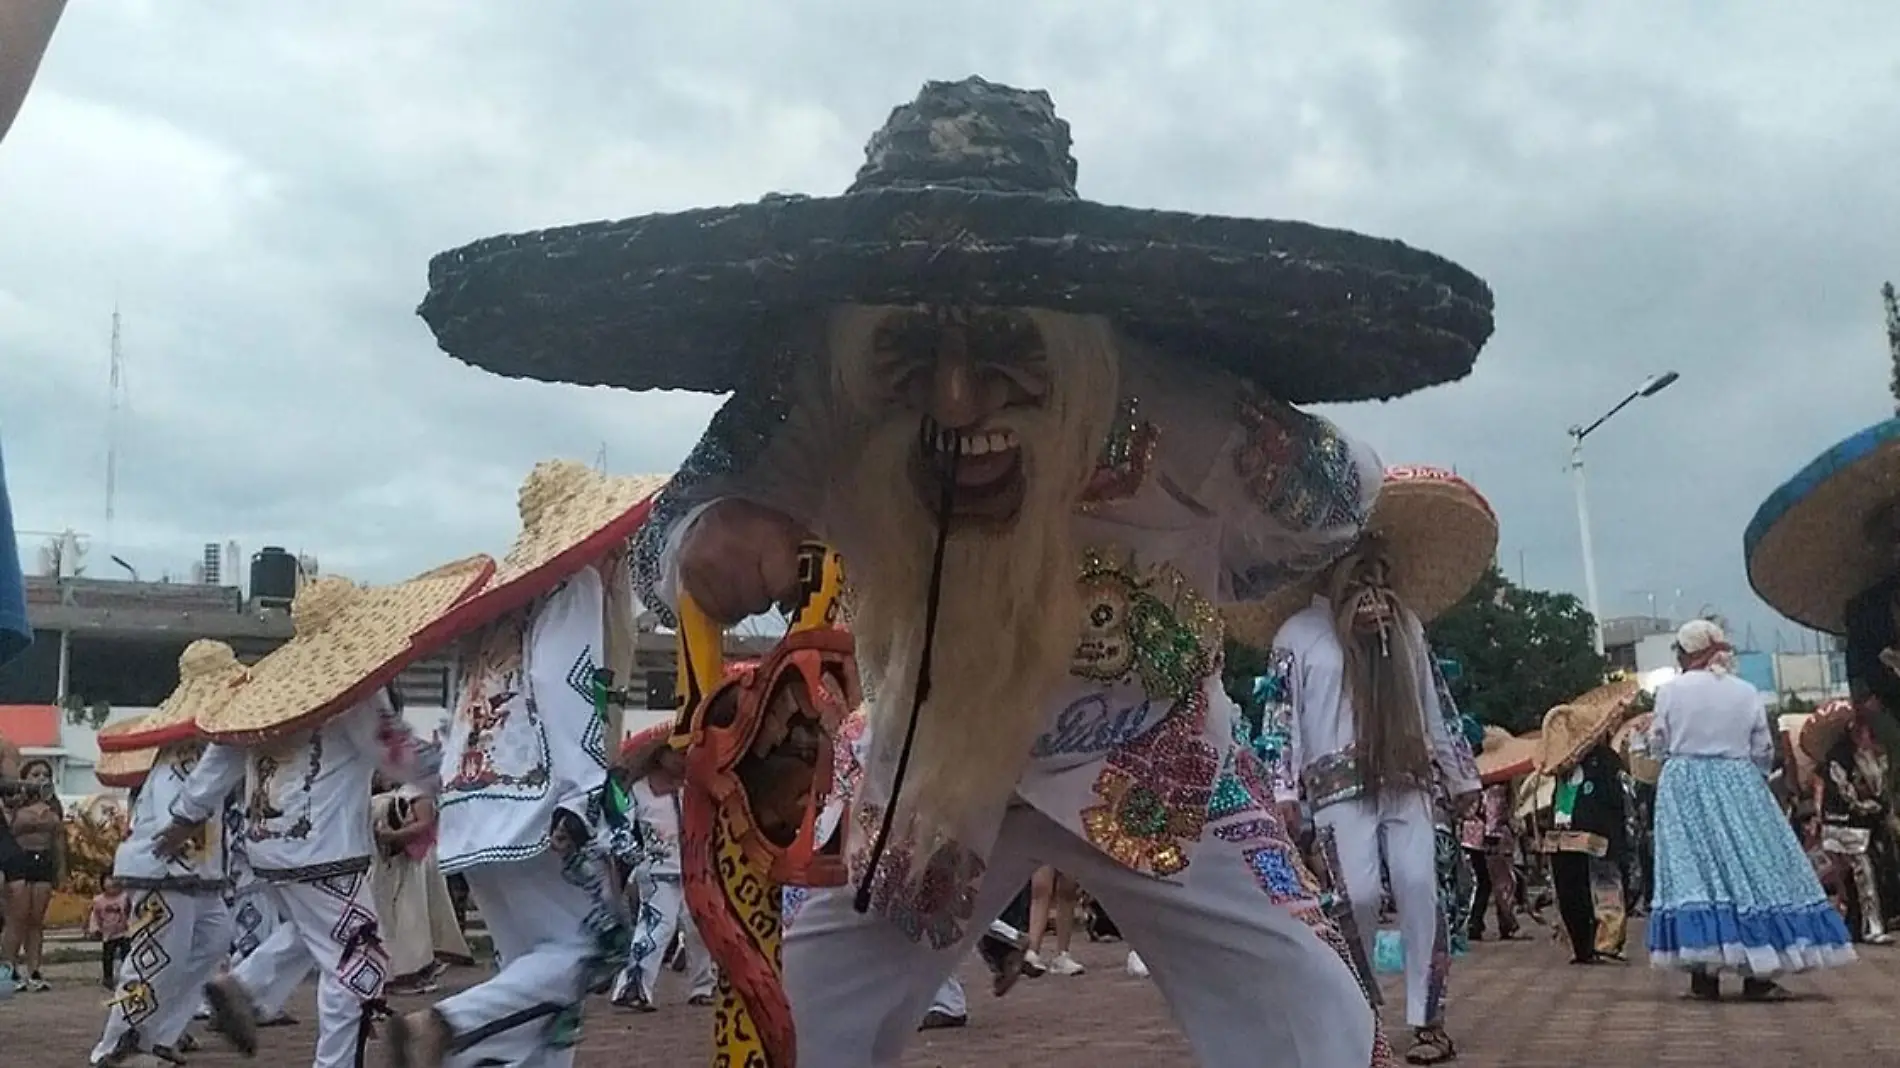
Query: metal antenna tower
point(1893, 337)
point(115, 400)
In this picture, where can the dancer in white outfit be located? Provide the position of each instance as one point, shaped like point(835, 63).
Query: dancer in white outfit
point(181, 925)
point(524, 764)
point(661, 914)
point(320, 725)
point(1352, 690)
point(1046, 439)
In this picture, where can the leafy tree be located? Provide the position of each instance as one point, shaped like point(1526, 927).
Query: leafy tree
point(1522, 651)
point(81, 713)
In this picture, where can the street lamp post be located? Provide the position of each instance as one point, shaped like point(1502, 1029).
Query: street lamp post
point(1651, 386)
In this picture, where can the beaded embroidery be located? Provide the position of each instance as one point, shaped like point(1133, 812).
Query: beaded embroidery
point(934, 900)
point(1155, 794)
point(1333, 778)
point(1296, 467)
point(1274, 691)
point(1271, 858)
point(1127, 457)
point(1151, 626)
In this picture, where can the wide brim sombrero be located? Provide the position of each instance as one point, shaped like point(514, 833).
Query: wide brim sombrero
point(1575, 727)
point(967, 198)
point(209, 676)
point(1824, 728)
point(1440, 536)
point(1505, 756)
point(350, 641)
point(124, 768)
point(1806, 551)
point(571, 515)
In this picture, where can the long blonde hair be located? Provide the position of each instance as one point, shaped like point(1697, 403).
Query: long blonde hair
point(1011, 607)
point(1380, 677)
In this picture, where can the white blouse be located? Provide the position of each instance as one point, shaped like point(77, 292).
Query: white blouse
point(1703, 714)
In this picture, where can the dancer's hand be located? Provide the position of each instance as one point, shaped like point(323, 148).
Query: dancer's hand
point(171, 843)
point(739, 559)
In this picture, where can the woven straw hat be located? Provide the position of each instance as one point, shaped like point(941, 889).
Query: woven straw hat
point(571, 515)
point(124, 768)
point(1825, 727)
point(350, 641)
point(209, 675)
point(1440, 535)
point(1575, 727)
point(1806, 548)
point(1505, 757)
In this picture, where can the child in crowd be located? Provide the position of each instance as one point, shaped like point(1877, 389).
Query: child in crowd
point(110, 921)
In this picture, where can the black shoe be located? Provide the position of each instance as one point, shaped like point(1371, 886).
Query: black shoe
point(1764, 990)
point(937, 1021)
point(1704, 986)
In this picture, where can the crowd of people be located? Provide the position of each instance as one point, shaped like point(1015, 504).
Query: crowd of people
point(1057, 445)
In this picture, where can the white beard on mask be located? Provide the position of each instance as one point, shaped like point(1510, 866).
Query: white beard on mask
point(1010, 609)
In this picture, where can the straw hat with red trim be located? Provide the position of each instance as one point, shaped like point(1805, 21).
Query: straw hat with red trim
point(1505, 756)
point(209, 675)
point(571, 516)
point(1440, 535)
point(350, 641)
point(1577, 726)
point(126, 769)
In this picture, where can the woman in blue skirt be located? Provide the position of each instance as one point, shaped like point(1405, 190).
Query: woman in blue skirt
point(1734, 890)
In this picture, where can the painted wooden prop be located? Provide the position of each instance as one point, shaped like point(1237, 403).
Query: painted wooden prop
point(757, 745)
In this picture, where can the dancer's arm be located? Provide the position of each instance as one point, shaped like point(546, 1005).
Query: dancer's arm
point(561, 654)
point(220, 770)
point(1281, 701)
point(1291, 490)
point(767, 446)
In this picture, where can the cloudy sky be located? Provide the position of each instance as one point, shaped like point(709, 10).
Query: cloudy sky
point(258, 187)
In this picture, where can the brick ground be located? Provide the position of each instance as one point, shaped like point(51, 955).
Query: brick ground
point(1515, 1004)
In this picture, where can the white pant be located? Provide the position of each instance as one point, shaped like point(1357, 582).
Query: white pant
point(177, 939)
point(255, 919)
point(1242, 975)
point(274, 968)
point(538, 921)
point(662, 913)
point(1400, 827)
point(332, 921)
point(949, 999)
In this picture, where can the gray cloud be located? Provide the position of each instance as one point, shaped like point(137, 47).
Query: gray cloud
point(260, 188)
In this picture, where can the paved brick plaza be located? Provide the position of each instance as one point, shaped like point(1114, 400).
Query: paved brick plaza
point(1514, 1004)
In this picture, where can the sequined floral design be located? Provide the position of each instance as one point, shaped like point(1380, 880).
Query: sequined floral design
point(1296, 467)
point(1150, 625)
point(1274, 689)
point(1275, 864)
point(931, 898)
point(1127, 457)
point(1154, 794)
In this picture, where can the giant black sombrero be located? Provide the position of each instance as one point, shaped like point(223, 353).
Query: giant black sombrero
point(966, 197)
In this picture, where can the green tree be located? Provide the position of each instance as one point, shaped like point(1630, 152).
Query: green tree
point(1522, 651)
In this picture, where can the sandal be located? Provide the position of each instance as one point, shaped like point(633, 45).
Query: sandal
point(1431, 1045)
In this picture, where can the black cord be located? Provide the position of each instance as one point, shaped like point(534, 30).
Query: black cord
point(932, 600)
